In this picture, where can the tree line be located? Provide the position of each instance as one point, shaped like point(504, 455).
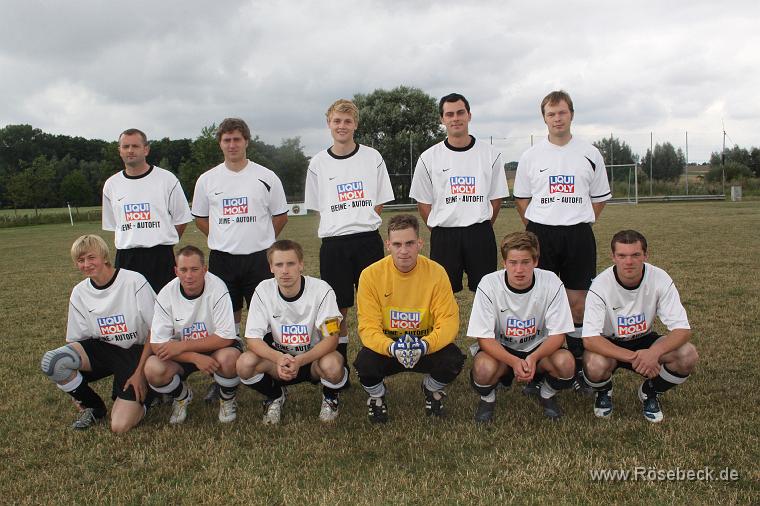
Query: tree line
point(38, 169)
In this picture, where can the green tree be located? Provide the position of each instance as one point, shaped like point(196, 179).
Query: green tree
point(205, 153)
point(667, 164)
point(396, 122)
point(75, 189)
point(734, 171)
point(33, 185)
point(616, 152)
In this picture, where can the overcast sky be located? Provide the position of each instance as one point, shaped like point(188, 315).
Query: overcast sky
point(94, 68)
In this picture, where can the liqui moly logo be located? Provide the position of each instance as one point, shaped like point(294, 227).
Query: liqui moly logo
point(237, 205)
point(350, 191)
point(195, 331)
point(631, 325)
point(110, 325)
point(293, 335)
point(405, 319)
point(561, 184)
point(462, 185)
point(520, 328)
point(137, 212)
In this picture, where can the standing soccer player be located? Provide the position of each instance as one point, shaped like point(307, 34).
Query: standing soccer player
point(241, 207)
point(292, 333)
point(520, 316)
point(560, 190)
point(408, 320)
point(459, 185)
point(621, 307)
point(109, 321)
point(347, 184)
point(193, 330)
point(147, 210)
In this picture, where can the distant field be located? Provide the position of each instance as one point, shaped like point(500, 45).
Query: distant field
point(52, 210)
point(710, 249)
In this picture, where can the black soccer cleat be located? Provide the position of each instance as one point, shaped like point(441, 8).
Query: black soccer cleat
point(532, 389)
point(551, 408)
point(377, 410)
point(484, 411)
point(434, 402)
point(603, 404)
point(651, 406)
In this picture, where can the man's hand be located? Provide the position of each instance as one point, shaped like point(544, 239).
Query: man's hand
point(408, 350)
point(169, 350)
point(287, 368)
point(646, 363)
point(205, 363)
point(139, 383)
point(524, 371)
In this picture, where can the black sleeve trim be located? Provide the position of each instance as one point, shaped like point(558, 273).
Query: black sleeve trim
point(599, 196)
point(267, 185)
point(199, 216)
point(593, 165)
point(484, 295)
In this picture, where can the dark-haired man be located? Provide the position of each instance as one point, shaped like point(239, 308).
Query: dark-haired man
point(459, 185)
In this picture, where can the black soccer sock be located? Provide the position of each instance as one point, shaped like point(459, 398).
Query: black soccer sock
point(87, 397)
point(575, 346)
point(482, 390)
point(663, 382)
point(227, 386)
point(331, 390)
point(265, 385)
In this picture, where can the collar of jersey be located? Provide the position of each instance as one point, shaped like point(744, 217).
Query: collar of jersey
point(469, 146)
point(518, 290)
point(150, 169)
point(297, 296)
point(191, 297)
point(107, 285)
point(643, 273)
point(343, 157)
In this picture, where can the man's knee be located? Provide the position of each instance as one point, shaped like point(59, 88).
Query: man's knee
point(155, 370)
point(331, 366)
point(485, 369)
point(448, 363)
point(597, 367)
point(684, 360)
point(562, 363)
point(246, 364)
point(227, 358)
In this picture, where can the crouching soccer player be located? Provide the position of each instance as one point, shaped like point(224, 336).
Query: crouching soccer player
point(617, 328)
point(292, 333)
point(408, 319)
point(194, 330)
point(109, 320)
point(520, 317)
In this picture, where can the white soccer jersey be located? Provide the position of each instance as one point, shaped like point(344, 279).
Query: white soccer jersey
point(624, 314)
point(180, 318)
point(346, 189)
point(119, 313)
point(562, 182)
point(459, 183)
point(295, 323)
point(142, 211)
point(239, 207)
point(520, 319)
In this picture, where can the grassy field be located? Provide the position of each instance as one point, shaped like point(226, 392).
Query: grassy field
point(710, 250)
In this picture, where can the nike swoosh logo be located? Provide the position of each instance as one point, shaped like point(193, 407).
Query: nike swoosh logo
point(120, 199)
point(331, 178)
point(178, 319)
point(276, 316)
point(90, 310)
point(543, 170)
point(446, 170)
point(218, 193)
point(503, 310)
point(388, 294)
point(616, 308)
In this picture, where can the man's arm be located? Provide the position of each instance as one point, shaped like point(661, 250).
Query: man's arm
point(180, 229)
point(278, 222)
point(598, 206)
point(647, 361)
point(182, 351)
point(496, 204)
point(424, 210)
point(549, 346)
point(605, 347)
point(370, 316)
point(444, 310)
point(521, 205)
point(379, 209)
point(494, 348)
point(322, 348)
point(202, 224)
point(137, 379)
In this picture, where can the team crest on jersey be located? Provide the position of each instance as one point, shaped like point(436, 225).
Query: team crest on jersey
point(137, 212)
point(350, 191)
point(233, 206)
point(520, 328)
point(462, 185)
point(628, 326)
point(561, 184)
point(110, 325)
point(195, 331)
point(295, 335)
point(405, 319)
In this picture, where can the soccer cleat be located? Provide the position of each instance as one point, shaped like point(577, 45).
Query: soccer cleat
point(179, 408)
point(273, 410)
point(434, 402)
point(212, 394)
point(227, 410)
point(86, 419)
point(651, 406)
point(532, 389)
point(603, 404)
point(377, 410)
point(329, 410)
point(484, 411)
point(551, 408)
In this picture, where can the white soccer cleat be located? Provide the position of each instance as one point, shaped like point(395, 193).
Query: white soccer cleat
point(329, 410)
point(227, 410)
point(273, 410)
point(603, 403)
point(651, 406)
point(179, 408)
